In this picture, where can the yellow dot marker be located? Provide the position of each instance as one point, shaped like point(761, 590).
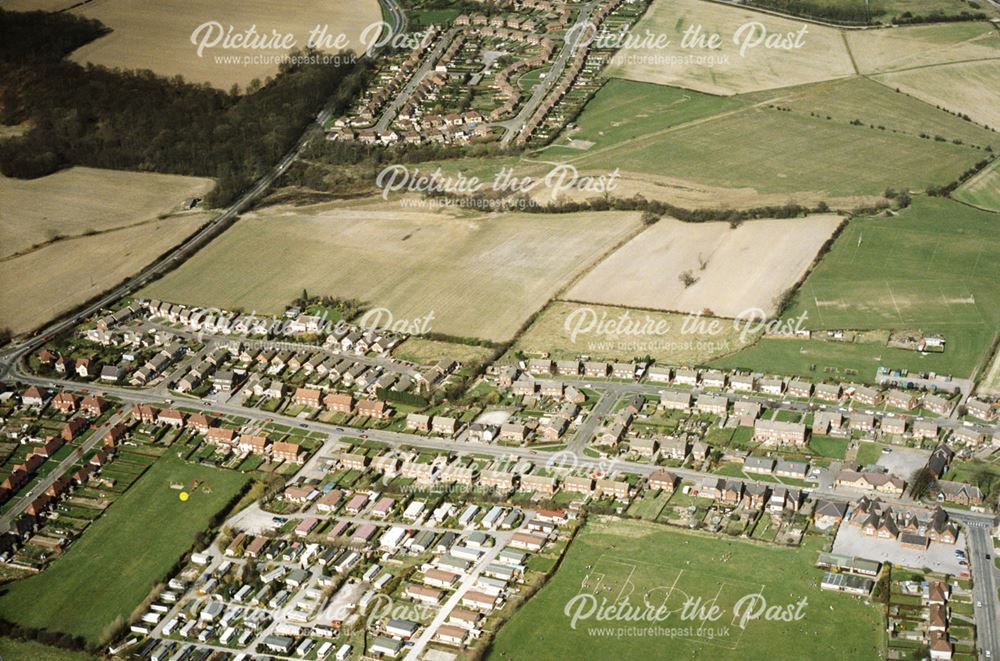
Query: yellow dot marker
point(184, 496)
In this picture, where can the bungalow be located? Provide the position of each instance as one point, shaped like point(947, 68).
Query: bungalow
point(450, 634)
point(796, 469)
point(423, 594)
point(329, 501)
point(479, 600)
point(857, 585)
point(958, 492)
point(870, 481)
point(829, 512)
point(760, 465)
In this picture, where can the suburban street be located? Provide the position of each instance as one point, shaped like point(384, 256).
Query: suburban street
point(569, 48)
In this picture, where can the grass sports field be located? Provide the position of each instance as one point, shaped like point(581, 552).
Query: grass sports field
point(66, 273)
point(648, 271)
point(983, 190)
point(479, 276)
point(927, 269)
point(158, 36)
point(667, 340)
point(729, 69)
point(124, 554)
point(651, 564)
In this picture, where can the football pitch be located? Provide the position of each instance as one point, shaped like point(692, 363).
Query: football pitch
point(630, 589)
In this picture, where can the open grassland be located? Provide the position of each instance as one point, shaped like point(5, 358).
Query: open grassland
point(646, 563)
point(692, 267)
point(930, 269)
point(776, 151)
point(822, 54)
point(82, 201)
point(880, 51)
point(158, 36)
point(478, 276)
point(569, 330)
point(969, 88)
point(628, 110)
point(113, 566)
point(983, 190)
point(24, 650)
point(424, 351)
point(46, 282)
point(871, 103)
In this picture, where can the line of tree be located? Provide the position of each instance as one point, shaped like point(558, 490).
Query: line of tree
point(137, 120)
point(849, 14)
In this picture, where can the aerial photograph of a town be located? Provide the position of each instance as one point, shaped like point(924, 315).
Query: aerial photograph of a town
point(506, 330)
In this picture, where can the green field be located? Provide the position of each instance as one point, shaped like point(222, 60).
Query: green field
point(643, 562)
point(827, 446)
point(880, 105)
point(24, 650)
point(928, 269)
point(627, 110)
point(983, 190)
point(108, 571)
point(774, 151)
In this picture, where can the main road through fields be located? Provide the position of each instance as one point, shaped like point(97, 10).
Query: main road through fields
point(192, 244)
